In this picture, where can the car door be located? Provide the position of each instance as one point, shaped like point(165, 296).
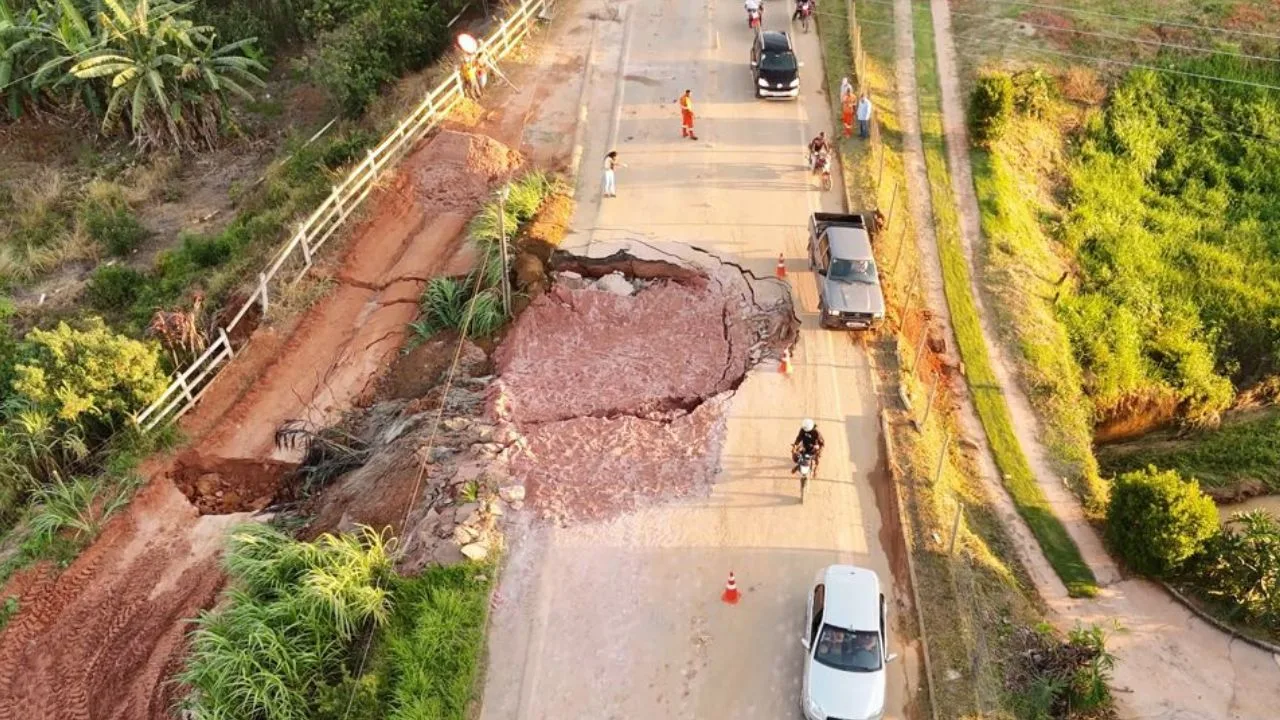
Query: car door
point(812, 622)
point(884, 630)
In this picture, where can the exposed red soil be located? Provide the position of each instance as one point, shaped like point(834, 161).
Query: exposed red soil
point(101, 639)
point(600, 349)
point(619, 401)
point(97, 640)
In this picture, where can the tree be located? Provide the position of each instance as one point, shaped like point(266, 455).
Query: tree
point(991, 107)
point(165, 75)
point(1157, 520)
point(87, 375)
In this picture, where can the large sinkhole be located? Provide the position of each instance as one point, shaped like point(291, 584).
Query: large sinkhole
point(228, 485)
point(617, 378)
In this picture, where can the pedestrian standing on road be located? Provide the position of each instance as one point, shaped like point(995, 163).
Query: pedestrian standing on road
point(686, 115)
point(864, 116)
point(470, 81)
point(846, 114)
point(610, 164)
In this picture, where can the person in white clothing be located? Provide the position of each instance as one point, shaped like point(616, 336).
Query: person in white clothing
point(610, 164)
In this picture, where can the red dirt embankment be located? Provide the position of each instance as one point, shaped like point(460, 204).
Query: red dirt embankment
point(620, 399)
point(100, 639)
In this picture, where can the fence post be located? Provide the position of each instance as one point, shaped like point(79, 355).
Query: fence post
point(902, 245)
point(933, 390)
point(880, 173)
point(306, 251)
point(892, 202)
point(186, 389)
point(222, 336)
point(924, 338)
point(955, 528)
point(262, 288)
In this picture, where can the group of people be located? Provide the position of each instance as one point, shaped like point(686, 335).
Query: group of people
point(852, 106)
point(475, 75)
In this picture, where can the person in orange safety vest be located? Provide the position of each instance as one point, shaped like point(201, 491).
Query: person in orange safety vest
point(686, 115)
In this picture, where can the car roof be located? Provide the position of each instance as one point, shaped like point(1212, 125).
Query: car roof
point(851, 599)
point(773, 40)
point(849, 243)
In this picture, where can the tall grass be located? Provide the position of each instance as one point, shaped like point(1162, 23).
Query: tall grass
point(1059, 549)
point(288, 622)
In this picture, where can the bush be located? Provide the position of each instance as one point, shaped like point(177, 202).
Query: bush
point(115, 227)
point(113, 288)
point(991, 107)
point(1032, 92)
point(1157, 521)
point(377, 45)
point(1060, 679)
point(1240, 568)
point(285, 630)
point(88, 373)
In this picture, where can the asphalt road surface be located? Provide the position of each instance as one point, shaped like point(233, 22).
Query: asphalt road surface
point(623, 619)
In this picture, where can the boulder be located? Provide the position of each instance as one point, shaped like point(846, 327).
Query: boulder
point(475, 551)
point(511, 493)
point(615, 283)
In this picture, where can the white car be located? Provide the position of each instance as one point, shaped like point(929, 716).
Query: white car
point(846, 646)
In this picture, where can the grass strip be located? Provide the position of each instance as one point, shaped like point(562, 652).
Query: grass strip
point(984, 386)
point(968, 600)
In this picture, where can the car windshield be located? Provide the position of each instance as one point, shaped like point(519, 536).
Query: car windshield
point(778, 62)
point(851, 650)
point(851, 271)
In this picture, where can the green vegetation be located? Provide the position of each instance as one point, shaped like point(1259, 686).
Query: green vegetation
point(1239, 571)
point(977, 605)
point(302, 619)
point(1172, 217)
point(1241, 450)
point(143, 67)
point(1164, 526)
point(1062, 679)
point(473, 304)
point(1156, 520)
point(984, 386)
point(991, 107)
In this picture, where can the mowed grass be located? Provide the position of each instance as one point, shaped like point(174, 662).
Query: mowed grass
point(1242, 450)
point(1020, 274)
point(1059, 549)
point(968, 599)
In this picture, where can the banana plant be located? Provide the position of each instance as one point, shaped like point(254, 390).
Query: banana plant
point(164, 74)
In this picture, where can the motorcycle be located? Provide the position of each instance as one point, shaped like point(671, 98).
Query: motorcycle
point(805, 461)
point(822, 166)
point(806, 11)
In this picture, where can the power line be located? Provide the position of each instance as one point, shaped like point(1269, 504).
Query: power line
point(1150, 20)
point(1129, 38)
point(1126, 63)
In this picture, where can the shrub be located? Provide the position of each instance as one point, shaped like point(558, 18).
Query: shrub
point(1059, 678)
point(1157, 520)
point(88, 373)
point(79, 508)
point(1240, 568)
point(114, 226)
point(1032, 92)
point(285, 629)
point(991, 107)
point(113, 288)
point(377, 45)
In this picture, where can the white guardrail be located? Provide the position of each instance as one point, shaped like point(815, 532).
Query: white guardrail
point(187, 387)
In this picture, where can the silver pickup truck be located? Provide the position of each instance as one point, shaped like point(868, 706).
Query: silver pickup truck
point(849, 294)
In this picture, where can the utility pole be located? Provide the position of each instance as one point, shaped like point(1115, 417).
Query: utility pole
point(502, 245)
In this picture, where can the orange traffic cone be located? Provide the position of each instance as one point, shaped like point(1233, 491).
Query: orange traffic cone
point(781, 270)
point(784, 367)
point(730, 594)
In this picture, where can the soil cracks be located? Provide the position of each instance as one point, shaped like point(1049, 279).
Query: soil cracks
point(1169, 663)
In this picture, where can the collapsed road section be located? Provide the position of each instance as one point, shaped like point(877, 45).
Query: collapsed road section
point(616, 380)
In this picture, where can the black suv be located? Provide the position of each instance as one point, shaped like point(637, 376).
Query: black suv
point(774, 67)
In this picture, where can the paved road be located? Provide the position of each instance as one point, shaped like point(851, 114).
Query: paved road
point(623, 619)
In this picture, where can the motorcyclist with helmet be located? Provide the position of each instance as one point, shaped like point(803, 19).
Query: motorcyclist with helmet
point(807, 440)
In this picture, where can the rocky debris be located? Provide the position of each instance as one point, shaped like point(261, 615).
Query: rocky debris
point(530, 274)
point(615, 283)
point(511, 493)
point(218, 486)
point(618, 385)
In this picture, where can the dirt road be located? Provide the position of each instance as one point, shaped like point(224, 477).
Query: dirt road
point(1170, 664)
point(622, 619)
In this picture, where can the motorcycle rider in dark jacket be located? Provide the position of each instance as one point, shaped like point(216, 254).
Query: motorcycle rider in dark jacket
point(808, 439)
